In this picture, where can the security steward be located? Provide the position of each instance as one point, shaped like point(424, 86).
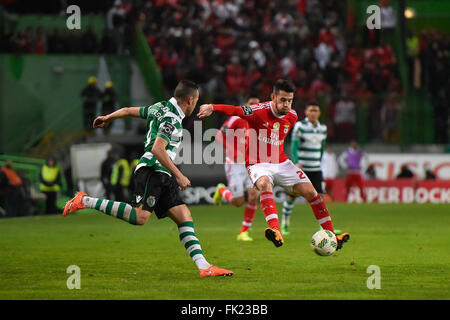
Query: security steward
point(50, 184)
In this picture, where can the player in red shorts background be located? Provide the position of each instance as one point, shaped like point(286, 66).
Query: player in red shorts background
point(266, 162)
point(233, 136)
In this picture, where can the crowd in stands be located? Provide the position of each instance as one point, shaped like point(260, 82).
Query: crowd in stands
point(235, 47)
point(434, 55)
point(116, 38)
point(55, 41)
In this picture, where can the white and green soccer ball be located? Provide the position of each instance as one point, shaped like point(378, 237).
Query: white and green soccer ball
point(324, 243)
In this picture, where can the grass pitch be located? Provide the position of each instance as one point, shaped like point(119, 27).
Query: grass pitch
point(120, 261)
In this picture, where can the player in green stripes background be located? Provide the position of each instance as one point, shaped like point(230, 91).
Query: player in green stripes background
point(307, 147)
point(156, 177)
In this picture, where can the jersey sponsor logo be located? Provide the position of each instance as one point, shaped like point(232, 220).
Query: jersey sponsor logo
point(167, 129)
point(247, 110)
point(138, 199)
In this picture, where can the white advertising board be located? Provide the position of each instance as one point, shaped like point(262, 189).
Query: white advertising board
point(388, 164)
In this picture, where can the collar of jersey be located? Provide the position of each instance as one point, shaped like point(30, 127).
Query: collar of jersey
point(273, 112)
point(174, 102)
point(310, 123)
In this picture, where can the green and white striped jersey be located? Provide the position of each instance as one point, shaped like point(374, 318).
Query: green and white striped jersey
point(310, 143)
point(163, 120)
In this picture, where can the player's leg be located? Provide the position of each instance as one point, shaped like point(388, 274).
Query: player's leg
point(136, 213)
point(288, 206)
point(234, 193)
point(181, 215)
point(329, 189)
point(348, 185)
point(120, 210)
point(307, 190)
point(320, 209)
point(360, 183)
point(269, 209)
point(249, 214)
point(297, 183)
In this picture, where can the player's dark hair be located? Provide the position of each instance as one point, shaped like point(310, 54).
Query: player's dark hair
point(185, 89)
point(312, 103)
point(283, 84)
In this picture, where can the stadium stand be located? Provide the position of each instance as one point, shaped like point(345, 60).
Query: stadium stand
point(236, 47)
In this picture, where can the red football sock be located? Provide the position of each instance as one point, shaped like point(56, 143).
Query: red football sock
point(249, 215)
point(321, 212)
point(269, 209)
point(226, 194)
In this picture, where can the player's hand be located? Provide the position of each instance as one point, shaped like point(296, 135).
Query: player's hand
point(183, 182)
point(205, 110)
point(101, 122)
point(299, 166)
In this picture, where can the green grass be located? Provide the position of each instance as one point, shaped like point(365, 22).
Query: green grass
point(410, 244)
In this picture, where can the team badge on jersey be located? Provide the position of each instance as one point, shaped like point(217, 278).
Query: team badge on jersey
point(286, 128)
point(151, 201)
point(247, 110)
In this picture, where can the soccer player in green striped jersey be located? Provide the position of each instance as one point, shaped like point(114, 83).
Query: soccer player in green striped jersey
point(307, 146)
point(157, 179)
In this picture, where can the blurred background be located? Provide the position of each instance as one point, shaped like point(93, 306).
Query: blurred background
point(387, 88)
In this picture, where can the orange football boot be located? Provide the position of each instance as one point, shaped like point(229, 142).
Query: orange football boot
point(341, 239)
point(274, 235)
point(214, 271)
point(75, 204)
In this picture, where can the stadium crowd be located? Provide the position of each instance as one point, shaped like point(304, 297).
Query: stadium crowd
point(434, 55)
point(235, 47)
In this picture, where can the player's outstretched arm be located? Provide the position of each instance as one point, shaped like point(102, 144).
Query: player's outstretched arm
point(229, 110)
point(103, 121)
point(160, 153)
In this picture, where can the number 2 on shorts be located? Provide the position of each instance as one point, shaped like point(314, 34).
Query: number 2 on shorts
point(301, 174)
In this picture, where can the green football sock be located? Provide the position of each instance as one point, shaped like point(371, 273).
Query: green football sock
point(288, 205)
point(120, 210)
point(192, 245)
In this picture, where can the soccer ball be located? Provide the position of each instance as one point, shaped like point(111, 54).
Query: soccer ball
point(324, 243)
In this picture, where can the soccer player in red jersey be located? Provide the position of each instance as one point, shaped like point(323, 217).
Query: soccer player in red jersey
point(233, 136)
point(266, 162)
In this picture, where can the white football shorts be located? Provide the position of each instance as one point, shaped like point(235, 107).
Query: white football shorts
point(237, 177)
point(285, 174)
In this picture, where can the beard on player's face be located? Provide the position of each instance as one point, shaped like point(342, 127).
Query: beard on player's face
point(282, 108)
point(282, 102)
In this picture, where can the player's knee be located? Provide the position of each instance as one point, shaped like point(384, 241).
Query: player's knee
point(142, 217)
point(264, 185)
point(310, 193)
point(305, 190)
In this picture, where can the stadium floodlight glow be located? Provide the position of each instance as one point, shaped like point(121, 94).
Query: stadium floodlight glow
point(410, 13)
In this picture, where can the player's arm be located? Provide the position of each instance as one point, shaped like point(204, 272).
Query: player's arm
point(244, 112)
point(160, 153)
point(103, 121)
point(322, 149)
point(229, 110)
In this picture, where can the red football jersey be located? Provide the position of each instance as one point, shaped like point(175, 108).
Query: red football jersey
point(233, 136)
point(266, 133)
